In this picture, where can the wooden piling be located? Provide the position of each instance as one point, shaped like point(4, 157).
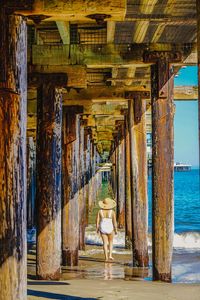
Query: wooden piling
point(70, 211)
point(81, 178)
point(138, 162)
point(31, 181)
point(128, 206)
point(87, 173)
point(116, 168)
point(163, 169)
point(13, 99)
point(121, 179)
point(48, 191)
point(91, 179)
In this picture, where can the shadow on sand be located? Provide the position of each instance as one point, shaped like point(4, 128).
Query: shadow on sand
point(38, 282)
point(48, 295)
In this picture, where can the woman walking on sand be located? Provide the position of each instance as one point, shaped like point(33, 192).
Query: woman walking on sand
point(106, 225)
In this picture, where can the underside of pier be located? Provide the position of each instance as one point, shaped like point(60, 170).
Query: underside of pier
point(82, 83)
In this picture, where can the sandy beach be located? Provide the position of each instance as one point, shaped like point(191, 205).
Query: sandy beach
point(95, 279)
point(114, 289)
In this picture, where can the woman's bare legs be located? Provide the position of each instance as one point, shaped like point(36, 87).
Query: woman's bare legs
point(105, 245)
point(110, 245)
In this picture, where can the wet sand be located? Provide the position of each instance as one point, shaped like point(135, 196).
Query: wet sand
point(114, 289)
point(95, 279)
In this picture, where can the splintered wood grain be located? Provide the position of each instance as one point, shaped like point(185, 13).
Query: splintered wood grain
point(13, 89)
point(48, 193)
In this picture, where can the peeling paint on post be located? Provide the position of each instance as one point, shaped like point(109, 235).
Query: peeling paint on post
point(163, 169)
point(138, 164)
point(48, 191)
point(13, 99)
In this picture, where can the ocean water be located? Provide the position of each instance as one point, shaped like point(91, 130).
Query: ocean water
point(186, 245)
point(186, 202)
point(186, 253)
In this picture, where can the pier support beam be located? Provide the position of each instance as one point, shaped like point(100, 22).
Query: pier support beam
point(121, 179)
point(138, 163)
point(48, 192)
point(128, 205)
point(91, 179)
point(81, 178)
point(31, 181)
point(13, 98)
point(87, 173)
point(162, 87)
point(70, 211)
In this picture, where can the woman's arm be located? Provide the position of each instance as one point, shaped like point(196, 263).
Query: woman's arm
point(97, 222)
point(114, 222)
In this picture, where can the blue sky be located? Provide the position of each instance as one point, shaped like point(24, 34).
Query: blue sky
point(186, 122)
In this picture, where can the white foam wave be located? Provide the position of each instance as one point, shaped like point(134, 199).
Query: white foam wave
point(92, 238)
point(185, 240)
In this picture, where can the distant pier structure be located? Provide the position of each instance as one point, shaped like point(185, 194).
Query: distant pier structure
point(82, 84)
point(180, 167)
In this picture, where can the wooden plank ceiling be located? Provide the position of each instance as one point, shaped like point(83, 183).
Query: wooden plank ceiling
point(100, 46)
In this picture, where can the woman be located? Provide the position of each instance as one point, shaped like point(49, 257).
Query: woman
point(106, 225)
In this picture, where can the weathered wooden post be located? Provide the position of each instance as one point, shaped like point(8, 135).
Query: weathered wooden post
point(13, 103)
point(138, 163)
point(162, 87)
point(82, 202)
point(116, 168)
point(70, 211)
point(94, 174)
point(87, 172)
point(128, 206)
point(48, 177)
point(121, 178)
point(91, 179)
point(31, 181)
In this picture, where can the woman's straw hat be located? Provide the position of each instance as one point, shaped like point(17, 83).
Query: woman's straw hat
point(107, 203)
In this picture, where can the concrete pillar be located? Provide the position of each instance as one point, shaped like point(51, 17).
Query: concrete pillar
point(13, 99)
point(48, 178)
